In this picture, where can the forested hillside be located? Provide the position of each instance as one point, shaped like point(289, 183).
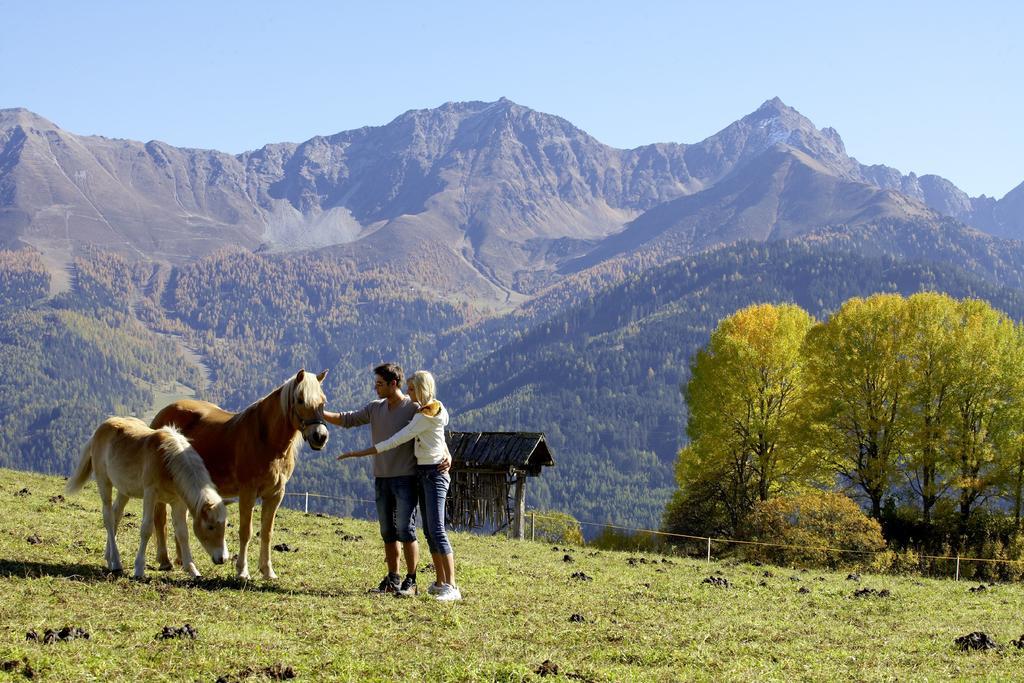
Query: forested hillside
point(596, 363)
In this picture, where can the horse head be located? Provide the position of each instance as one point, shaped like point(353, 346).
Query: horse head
point(306, 408)
point(208, 524)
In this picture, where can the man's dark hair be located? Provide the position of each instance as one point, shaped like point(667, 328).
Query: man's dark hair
point(390, 372)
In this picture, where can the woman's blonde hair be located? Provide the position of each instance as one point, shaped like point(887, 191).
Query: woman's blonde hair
point(425, 386)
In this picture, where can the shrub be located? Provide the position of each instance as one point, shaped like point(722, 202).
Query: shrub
point(616, 539)
point(556, 527)
point(811, 524)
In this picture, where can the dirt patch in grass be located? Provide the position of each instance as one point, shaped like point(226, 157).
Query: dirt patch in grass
point(170, 632)
point(871, 592)
point(11, 666)
point(51, 636)
point(581, 576)
point(285, 548)
point(274, 672)
point(34, 539)
point(975, 641)
point(717, 581)
point(546, 668)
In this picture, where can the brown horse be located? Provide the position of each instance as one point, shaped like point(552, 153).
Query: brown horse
point(251, 454)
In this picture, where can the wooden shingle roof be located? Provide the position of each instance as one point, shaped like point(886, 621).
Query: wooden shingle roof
point(526, 451)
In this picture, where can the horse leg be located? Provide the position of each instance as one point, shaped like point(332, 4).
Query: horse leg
point(267, 514)
point(180, 520)
point(149, 504)
point(110, 554)
point(246, 500)
point(118, 511)
point(160, 535)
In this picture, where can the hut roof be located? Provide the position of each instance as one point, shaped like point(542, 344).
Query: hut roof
point(500, 451)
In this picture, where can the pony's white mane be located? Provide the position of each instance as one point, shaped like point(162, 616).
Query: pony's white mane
point(187, 469)
point(308, 388)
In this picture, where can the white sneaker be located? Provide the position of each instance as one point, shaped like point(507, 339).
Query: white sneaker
point(449, 593)
point(435, 588)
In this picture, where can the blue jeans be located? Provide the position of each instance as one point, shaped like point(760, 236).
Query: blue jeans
point(396, 508)
point(433, 494)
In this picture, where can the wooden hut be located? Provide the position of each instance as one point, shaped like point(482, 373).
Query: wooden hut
point(486, 468)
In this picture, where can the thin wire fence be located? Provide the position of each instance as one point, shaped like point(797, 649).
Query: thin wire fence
point(708, 540)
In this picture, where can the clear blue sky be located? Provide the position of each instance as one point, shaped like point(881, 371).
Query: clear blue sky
point(928, 87)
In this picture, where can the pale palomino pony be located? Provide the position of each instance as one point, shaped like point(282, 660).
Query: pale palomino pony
point(158, 466)
point(251, 454)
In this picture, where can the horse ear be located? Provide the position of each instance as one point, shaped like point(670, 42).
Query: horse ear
point(298, 377)
point(320, 377)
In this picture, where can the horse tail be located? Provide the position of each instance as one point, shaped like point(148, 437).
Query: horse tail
point(83, 471)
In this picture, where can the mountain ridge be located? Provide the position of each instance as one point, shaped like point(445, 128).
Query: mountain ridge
point(516, 195)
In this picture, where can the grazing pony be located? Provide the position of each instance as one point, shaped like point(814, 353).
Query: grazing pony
point(251, 454)
point(159, 466)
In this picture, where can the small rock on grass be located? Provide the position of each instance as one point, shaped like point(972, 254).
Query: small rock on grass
point(567, 558)
point(1019, 643)
point(285, 548)
point(718, 581)
point(23, 492)
point(581, 576)
point(804, 590)
point(577, 618)
point(34, 539)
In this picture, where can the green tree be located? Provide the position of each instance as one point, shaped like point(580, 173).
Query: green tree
point(987, 364)
point(742, 395)
point(933, 334)
point(857, 376)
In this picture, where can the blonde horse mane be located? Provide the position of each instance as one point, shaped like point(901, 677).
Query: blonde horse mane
point(308, 388)
point(187, 469)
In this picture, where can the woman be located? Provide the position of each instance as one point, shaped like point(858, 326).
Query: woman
point(427, 427)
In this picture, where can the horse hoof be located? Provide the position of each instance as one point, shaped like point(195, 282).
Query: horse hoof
point(244, 575)
point(270, 576)
point(166, 566)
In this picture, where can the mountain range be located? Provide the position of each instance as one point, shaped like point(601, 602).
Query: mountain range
point(508, 199)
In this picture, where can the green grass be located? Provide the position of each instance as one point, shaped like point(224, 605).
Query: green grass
point(651, 621)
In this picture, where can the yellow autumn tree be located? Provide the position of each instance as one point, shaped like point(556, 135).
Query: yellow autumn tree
point(742, 394)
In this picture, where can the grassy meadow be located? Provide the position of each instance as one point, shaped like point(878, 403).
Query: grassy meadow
point(652, 619)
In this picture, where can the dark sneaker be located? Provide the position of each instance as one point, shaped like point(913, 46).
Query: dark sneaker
point(388, 585)
point(408, 588)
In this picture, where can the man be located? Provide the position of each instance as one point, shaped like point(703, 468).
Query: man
point(394, 472)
